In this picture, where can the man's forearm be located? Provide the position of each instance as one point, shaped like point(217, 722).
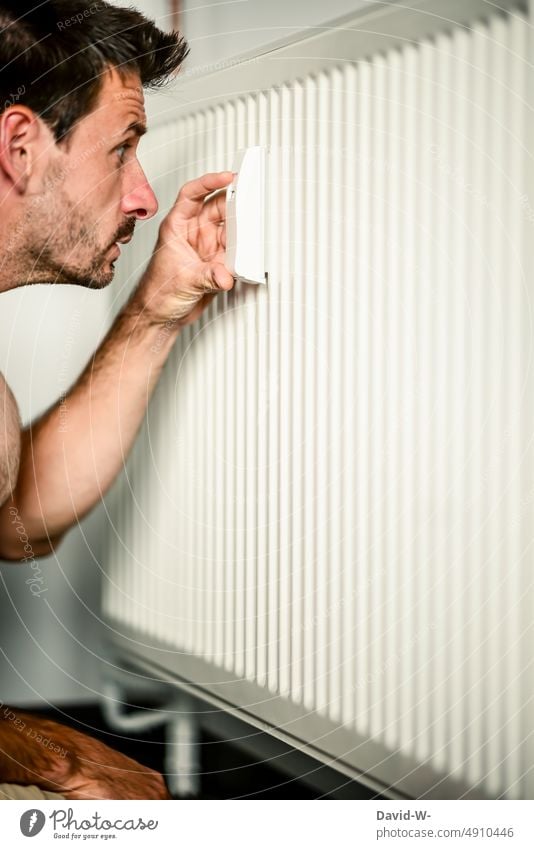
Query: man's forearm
point(72, 454)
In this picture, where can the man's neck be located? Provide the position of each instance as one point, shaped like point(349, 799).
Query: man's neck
point(13, 249)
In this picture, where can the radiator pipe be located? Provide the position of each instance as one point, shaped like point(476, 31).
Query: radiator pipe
point(136, 721)
point(181, 762)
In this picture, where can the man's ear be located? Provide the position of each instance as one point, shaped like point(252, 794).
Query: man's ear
point(20, 142)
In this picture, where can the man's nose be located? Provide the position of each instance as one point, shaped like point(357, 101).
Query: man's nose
point(139, 201)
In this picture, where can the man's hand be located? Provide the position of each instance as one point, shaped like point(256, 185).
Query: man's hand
point(187, 268)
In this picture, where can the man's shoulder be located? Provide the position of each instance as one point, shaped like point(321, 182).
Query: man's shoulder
point(9, 439)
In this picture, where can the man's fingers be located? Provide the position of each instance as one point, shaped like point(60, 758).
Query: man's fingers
point(206, 229)
point(214, 209)
point(192, 194)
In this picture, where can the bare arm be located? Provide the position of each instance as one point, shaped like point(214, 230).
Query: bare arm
point(70, 457)
point(72, 454)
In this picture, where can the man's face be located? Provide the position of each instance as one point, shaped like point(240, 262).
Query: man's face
point(94, 191)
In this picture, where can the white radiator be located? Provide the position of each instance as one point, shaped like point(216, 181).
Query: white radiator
point(325, 525)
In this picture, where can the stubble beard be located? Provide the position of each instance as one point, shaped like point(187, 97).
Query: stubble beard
point(54, 228)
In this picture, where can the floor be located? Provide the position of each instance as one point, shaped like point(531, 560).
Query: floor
point(227, 772)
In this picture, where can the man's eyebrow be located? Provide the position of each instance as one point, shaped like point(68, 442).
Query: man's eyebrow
point(137, 127)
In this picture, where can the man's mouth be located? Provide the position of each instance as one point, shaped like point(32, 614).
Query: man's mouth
point(120, 242)
point(124, 237)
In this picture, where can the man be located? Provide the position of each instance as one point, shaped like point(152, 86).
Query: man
point(71, 190)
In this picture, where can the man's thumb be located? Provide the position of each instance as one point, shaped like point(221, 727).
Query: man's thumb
point(221, 277)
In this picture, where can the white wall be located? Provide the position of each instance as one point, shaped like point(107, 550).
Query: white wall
point(219, 29)
point(47, 642)
point(223, 28)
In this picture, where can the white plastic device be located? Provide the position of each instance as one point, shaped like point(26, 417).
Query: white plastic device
point(246, 216)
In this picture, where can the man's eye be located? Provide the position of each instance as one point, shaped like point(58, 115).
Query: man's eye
point(121, 151)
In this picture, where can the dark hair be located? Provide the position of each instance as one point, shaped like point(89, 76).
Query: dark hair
point(53, 55)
